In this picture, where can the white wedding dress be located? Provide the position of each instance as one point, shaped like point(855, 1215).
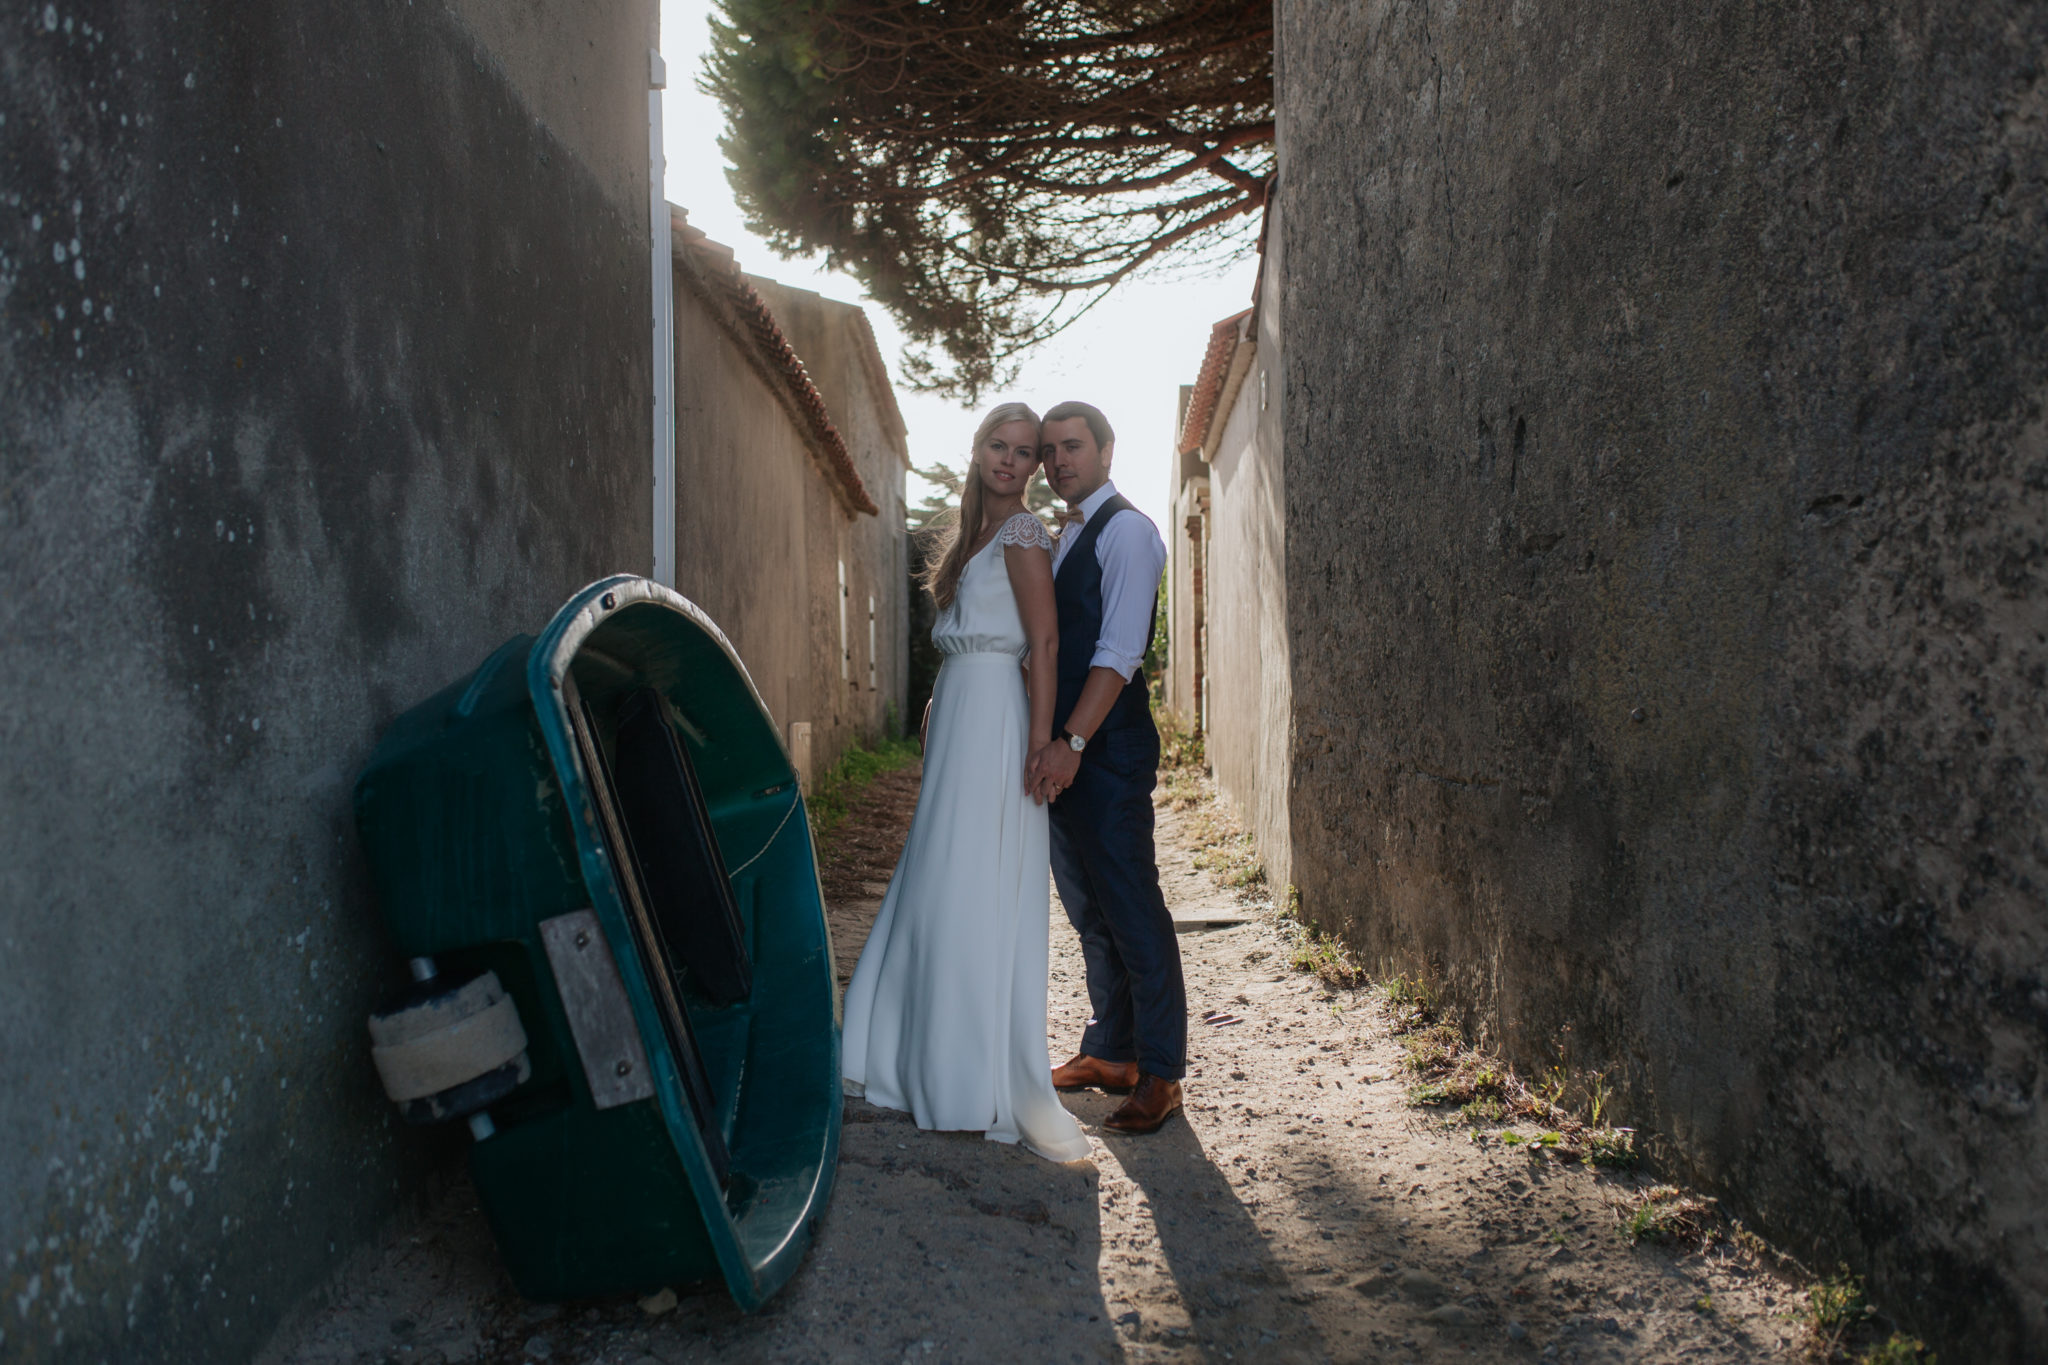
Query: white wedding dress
point(945, 1016)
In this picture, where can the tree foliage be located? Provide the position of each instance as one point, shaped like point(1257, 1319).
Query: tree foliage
point(943, 500)
point(988, 168)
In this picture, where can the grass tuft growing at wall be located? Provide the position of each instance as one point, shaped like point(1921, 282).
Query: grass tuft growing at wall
point(840, 788)
point(1183, 764)
point(1842, 1326)
point(1485, 1091)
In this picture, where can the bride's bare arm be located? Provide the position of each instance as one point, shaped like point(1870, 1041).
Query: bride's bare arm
point(1031, 581)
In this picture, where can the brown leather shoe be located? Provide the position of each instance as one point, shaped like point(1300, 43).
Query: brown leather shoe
point(1155, 1102)
point(1084, 1071)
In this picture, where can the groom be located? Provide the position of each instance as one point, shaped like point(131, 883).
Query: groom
point(1102, 767)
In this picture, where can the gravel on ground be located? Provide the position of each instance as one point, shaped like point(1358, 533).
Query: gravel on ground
point(1301, 1210)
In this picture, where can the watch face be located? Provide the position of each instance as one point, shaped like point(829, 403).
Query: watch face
point(1076, 743)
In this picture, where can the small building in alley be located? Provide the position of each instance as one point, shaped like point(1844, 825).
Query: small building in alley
point(1227, 655)
point(790, 462)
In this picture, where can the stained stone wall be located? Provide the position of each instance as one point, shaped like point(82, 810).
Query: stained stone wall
point(1667, 516)
point(324, 369)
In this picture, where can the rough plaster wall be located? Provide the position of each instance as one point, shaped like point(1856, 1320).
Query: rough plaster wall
point(1250, 691)
point(825, 334)
point(360, 391)
point(832, 713)
point(877, 541)
point(1667, 478)
point(759, 531)
point(742, 476)
point(585, 80)
point(838, 705)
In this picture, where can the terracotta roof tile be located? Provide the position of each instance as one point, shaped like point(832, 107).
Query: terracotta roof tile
point(1194, 428)
point(781, 359)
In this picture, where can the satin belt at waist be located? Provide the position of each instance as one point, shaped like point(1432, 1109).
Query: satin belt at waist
point(981, 656)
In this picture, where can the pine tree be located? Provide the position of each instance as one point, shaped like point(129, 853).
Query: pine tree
point(990, 168)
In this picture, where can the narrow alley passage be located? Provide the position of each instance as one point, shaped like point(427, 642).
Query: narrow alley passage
point(1304, 1211)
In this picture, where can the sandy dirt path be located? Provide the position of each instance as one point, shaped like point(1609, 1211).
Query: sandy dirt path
point(1302, 1211)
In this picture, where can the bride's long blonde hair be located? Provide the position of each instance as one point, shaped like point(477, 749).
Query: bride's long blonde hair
point(949, 556)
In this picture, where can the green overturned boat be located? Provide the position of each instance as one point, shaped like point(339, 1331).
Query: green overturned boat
point(595, 856)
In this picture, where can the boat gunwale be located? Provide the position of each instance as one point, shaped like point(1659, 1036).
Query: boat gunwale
point(751, 1284)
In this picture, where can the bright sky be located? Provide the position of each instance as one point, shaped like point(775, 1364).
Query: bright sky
point(1129, 357)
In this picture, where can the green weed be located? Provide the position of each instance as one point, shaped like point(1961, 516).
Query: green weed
point(1410, 1001)
point(1485, 1109)
point(1836, 1310)
point(1221, 848)
point(1183, 766)
point(1181, 789)
point(1228, 853)
point(1180, 743)
point(1431, 1050)
point(836, 793)
point(1898, 1349)
point(1326, 959)
point(1838, 1313)
point(1666, 1213)
point(1836, 1304)
point(1600, 1098)
point(1613, 1147)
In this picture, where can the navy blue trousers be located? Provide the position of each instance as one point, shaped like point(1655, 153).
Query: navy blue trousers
point(1108, 875)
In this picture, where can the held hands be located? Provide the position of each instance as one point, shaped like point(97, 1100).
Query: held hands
point(1051, 770)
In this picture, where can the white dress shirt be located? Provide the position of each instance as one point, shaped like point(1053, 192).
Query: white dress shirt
point(1132, 558)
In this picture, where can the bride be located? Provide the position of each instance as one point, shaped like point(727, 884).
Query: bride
point(945, 1016)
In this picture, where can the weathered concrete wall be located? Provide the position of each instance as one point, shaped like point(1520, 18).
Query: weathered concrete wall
point(839, 353)
point(323, 369)
point(743, 483)
point(584, 78)
point(1251, 698)
point(763, 524)
point(1667, 510)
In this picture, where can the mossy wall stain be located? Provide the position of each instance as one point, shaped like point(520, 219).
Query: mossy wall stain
point(1667, 503)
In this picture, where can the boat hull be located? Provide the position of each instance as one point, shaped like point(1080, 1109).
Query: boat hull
point(672, 1128)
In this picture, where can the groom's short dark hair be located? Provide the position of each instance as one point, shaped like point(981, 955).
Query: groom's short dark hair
point(1098, 425)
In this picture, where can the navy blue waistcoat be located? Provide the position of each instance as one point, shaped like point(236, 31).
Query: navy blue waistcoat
point(1077, 590)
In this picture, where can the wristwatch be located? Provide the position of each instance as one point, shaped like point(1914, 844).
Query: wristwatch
point(1075, 742)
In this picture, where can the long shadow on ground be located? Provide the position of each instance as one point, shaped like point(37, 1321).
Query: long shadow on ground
point(1230, 1293)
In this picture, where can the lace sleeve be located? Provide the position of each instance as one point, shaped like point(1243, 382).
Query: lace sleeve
point(1025, 529)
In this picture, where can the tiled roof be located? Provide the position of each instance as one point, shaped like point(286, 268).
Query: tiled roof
point(1223, 339)
point(780, 358)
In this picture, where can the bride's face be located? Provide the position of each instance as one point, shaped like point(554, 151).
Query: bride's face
point(1007, 457)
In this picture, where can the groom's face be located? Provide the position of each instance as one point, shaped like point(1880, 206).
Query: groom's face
point(1074, 465)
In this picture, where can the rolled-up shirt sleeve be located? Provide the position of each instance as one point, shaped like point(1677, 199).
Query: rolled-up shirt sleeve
point(1132, 557)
